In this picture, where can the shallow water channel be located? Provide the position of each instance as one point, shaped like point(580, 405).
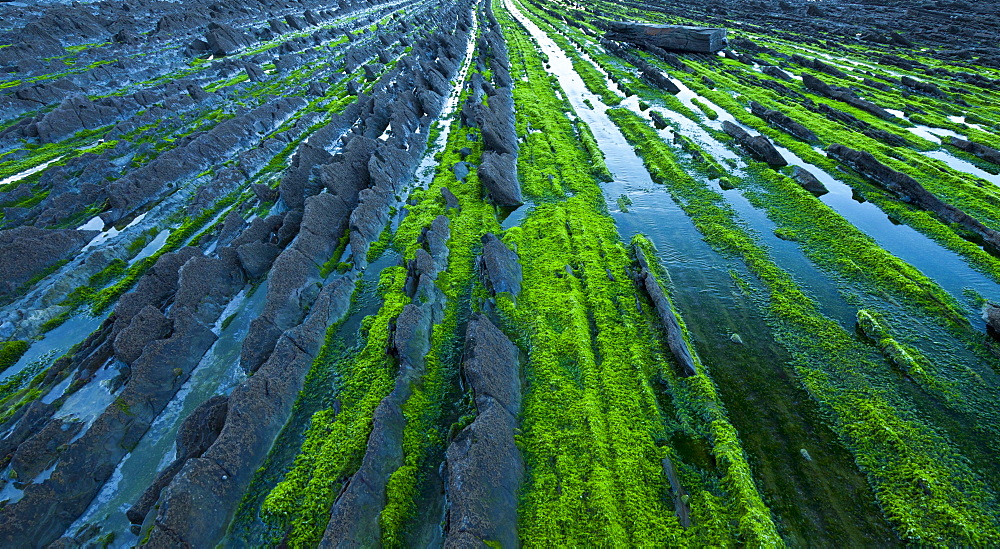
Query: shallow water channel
point(820, 500)
point(218, 372)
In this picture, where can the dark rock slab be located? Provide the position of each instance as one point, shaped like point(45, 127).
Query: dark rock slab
point(484, 466)
point(668, 318)
point(808, 181)
point(28, 251)
point(909, 190)
point(500, 266)
point(844, 94)
point(498, 175)
point(758, 146)
point(146, 326)
point(783, 122)
point(670, 37)
point(982, 151)
point(195, 508)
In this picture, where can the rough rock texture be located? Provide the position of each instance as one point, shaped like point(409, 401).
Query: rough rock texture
point(500, 266)
point(28, 251)
point(194, 436)
point(783, 122)
point(147, 326)
point(498, 175)
point(982, 151)
point(484, 465)
point(670, 37)
point(991, 314)
point(196, 505)
point(911, 191)
point(843, 94)
point(664, 309)
point(758, 146)
point(808, 181)
point(354, 517)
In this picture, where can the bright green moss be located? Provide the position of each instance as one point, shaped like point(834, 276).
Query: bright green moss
point(335, 442)
point(899, 455)
point(10, 352)
point(594, 471)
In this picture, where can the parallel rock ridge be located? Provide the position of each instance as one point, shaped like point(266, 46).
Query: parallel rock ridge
point(492, 273)
point(670, 37)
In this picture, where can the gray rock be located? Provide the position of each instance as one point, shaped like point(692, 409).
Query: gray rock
point(982, 151)
point(450, 200)
point(668, 318)
point(498, 175)
point(461, 170)
point(783, 122)
point(222, 40)
point(484, 466)
point(500, 266)
point(991, 314)
point(843, 94)
point(911, 191)
point(771, 70)
point(758, 146)
point(29, 251)
point(670, 37)
point(808, 181)
point(197, 505)
point(147, 325)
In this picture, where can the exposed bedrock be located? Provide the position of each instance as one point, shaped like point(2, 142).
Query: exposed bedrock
point(48, 508)
point(808, 181)
point(354, 518)
point(147, 325)
point(294, 279)
point(194, 436)
point(844, 94)
point(29, 251)
point(229, 137)
point(161, 350)
point(991, 314)
point(782, 122)
point(909, 190)
point(925, 87)
point(648, 71)
point(484, 466)
point(498, 175)
point(757, 145)
point(982, 151)
point(670, 37)
point(668, 318)
point(499, 266)
point(850, 120)
point(197, 504)
point(497, 122)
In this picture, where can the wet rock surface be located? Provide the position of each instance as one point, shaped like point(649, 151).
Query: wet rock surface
point(241, 174)
point(670, 37)
point(911, 191)
point(757, 145)
point(484, 466)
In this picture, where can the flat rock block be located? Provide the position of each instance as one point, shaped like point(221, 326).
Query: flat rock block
point(670, 37)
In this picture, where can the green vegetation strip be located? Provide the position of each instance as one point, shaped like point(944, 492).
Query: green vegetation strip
point(924, 485)
point(591, 418)
point(10, 353)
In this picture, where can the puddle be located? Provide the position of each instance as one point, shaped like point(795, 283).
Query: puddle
point(948, 269)
point(151, 248)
